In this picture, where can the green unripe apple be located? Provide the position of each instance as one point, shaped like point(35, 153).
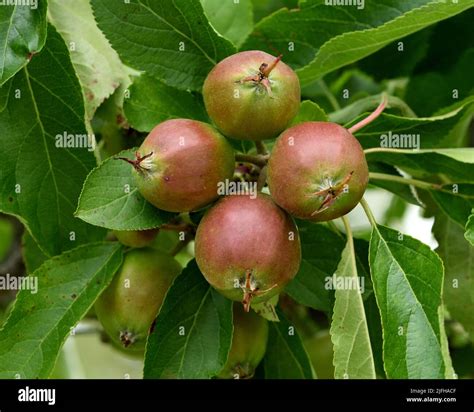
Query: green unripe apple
point(249, 343)
point(136, 238)
point(130, 304)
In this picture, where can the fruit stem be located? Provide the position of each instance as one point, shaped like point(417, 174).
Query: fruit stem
point(371, 117)
point(405, 180)
point(266, 70)
point(178, 227)
point(262, 178)
point(85, 328)
point(368, 212)
point(181, 245)
point(388, 150)
point(261, 148)
point(259, 160)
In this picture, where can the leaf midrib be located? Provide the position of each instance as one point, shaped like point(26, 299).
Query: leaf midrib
point(193, 325)
point(43, 133)
point(363, 320)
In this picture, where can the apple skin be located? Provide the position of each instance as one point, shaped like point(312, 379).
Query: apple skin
point(304, 158)
point(246, 110)
point(187, 159)
point(127, 313)
point(249, 343)
point(136, 238)
point(241, 234)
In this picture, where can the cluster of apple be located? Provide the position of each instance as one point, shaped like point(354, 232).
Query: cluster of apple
point(247, 247)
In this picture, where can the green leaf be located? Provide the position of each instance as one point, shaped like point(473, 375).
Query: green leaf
point(441, 56)
point(267, 309)
point(463, 359)
point(434, 82)
point(353, 358)
point(428, 92)
point(22, 33)
point(416, 133)
point(67, 286)
point(193, 331)
point(374, 325)
point(33, 257)
point(469, 235)
point(458, 257)
point(349, 86)
point(449, 372)
point(244, 146)
point(169, 39)
point(286, 357)
point(309, 112)
point(7, 238)
point(371, 309)
point(321, 250)
point(455, 165)
point(97, 65)
point(456, 200)
point(234, 20)
point(110, 199)
point(324, 38)
point(368, 104)
point(262, 8)
point(152, 102)
point(40, 180)
point(399, 58)
point(357, 35)
point(407, 277)
point(109, 123)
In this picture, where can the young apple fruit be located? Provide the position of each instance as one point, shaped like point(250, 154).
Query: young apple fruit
point(130, 304)
point(252, 95)
point(248, 248)
point(180, 163)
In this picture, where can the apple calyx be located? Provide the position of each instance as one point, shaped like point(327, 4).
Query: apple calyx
point(262, 76)
point(137, 163)
point(331, 193)
point(127, 338)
